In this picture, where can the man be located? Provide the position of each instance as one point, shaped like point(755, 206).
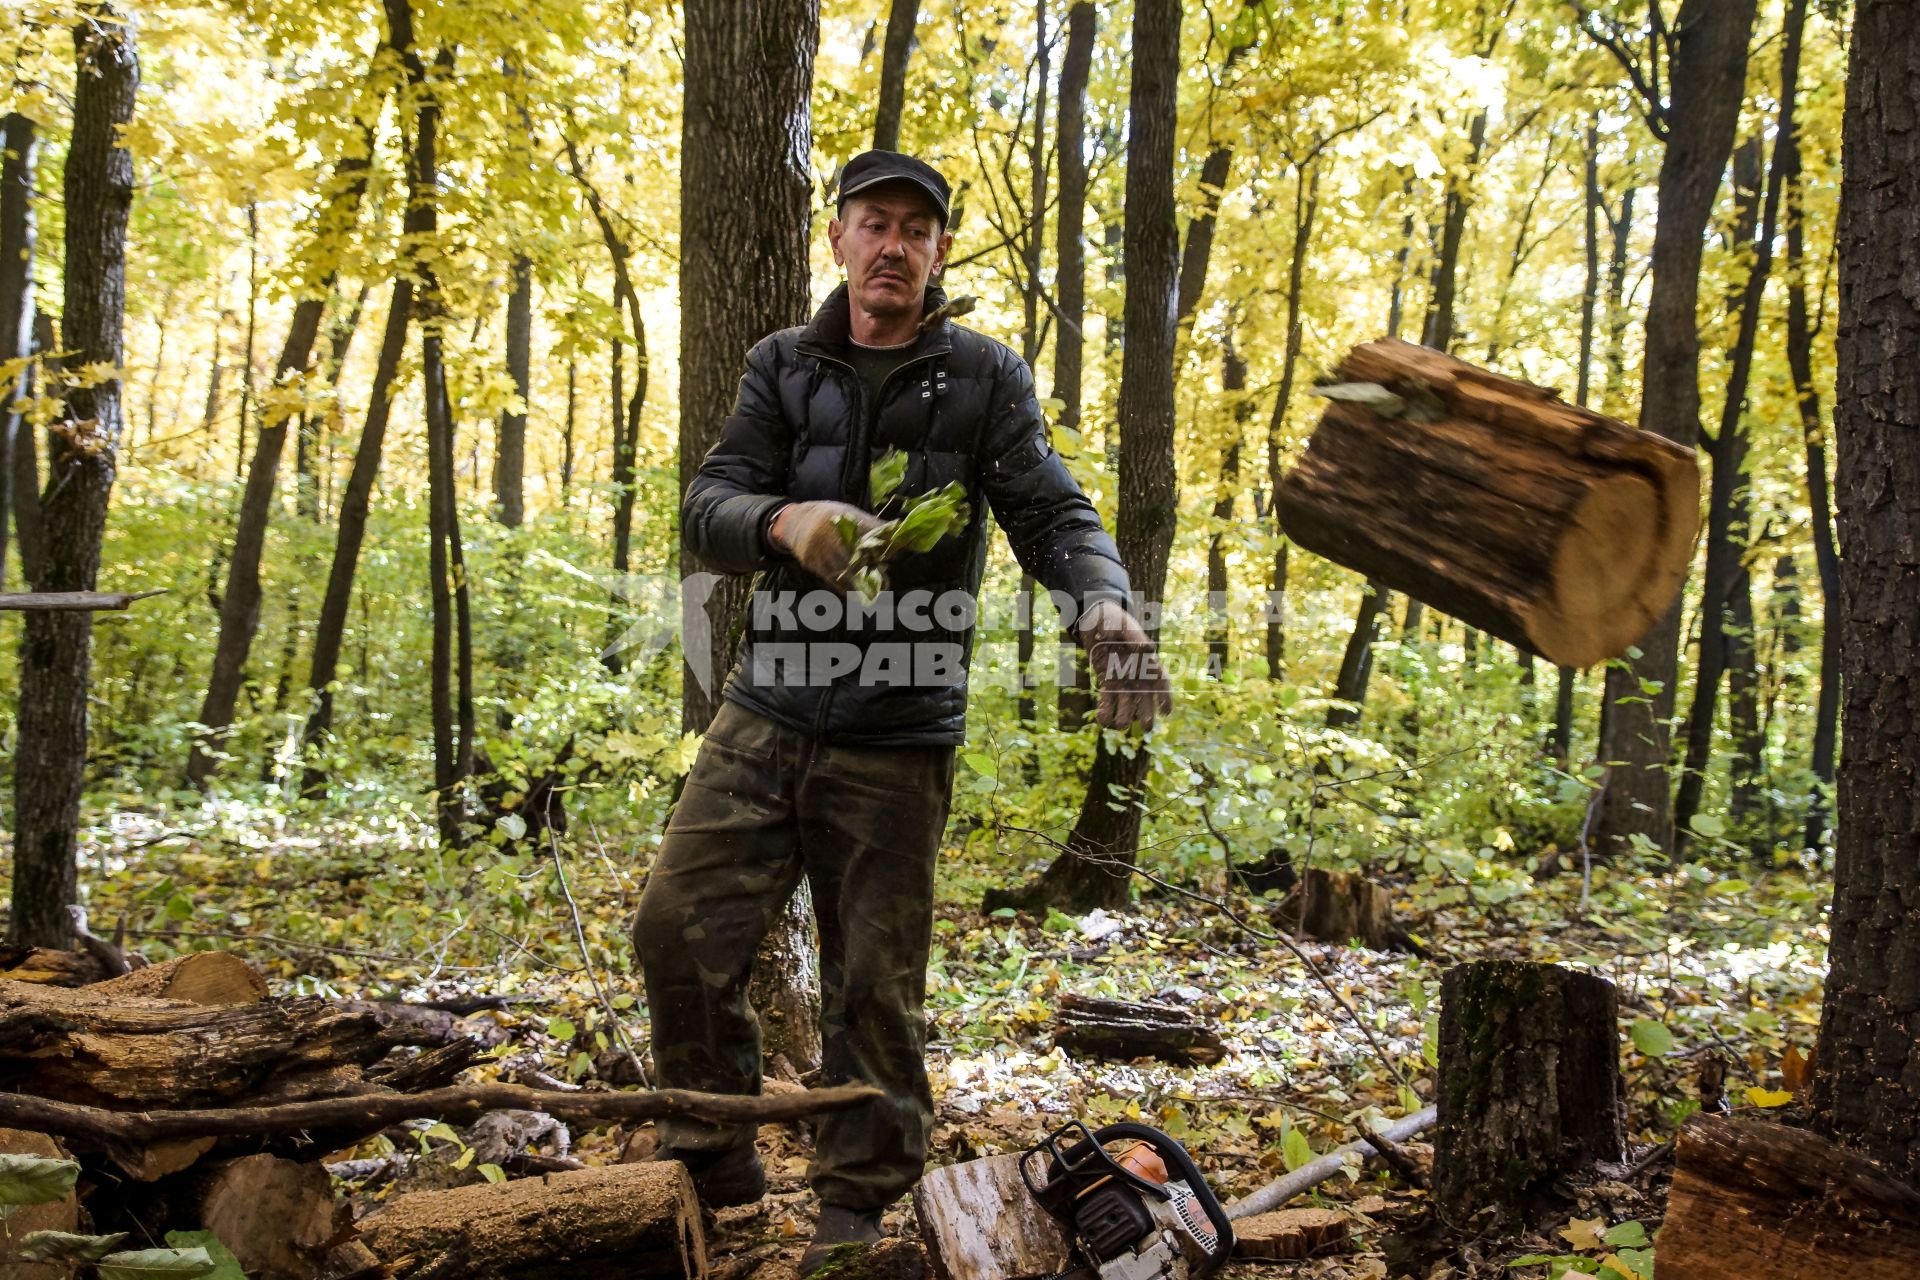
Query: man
point(833, 753)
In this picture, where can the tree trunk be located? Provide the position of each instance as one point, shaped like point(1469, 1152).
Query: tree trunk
point(1530, 1085)
point(17, 144)
point(330, 630)
point(785, 988)
point(1356, 660)
point(901, 19)
point(240, 601)
point(56, 647)
point(1233, 381)
point(1728, 522)
point(510, 450)
point(1094, 869)
point(310, 499)
point(1826, 557)
point(1870, 1020)
point(1070, 284)
point(1753, 1199)
point(1306, 204)
point(1708, 74)
point(1549, 526)
point(1031, 338)
point(745, 196)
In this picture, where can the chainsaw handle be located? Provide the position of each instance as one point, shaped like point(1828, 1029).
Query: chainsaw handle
point(1182, 1167)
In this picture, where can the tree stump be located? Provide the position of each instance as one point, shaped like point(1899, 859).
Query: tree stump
point(278, 1216)
point(979, 1219)
point(1757, 1199)
point(1338, 906)
point(204, 977)
point(1556, 529)
point(620, 1222)
point(1529, 1085)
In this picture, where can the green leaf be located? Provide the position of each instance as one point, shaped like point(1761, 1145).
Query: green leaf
point(35, 1179)
point(493, 1173)
point(1005, 913)
point(1728, 888)
point(1628, 1235)
point(1058, 921)
point(1641, 1260)
point(1295, 1149)
point(1708, 826)
point(885, 475)
point(1652, 1038)
point(513, 824)
point(982, 764)
point(65, 1246)
point(157, 1264)
point(561, 1028)
point(225, 1265)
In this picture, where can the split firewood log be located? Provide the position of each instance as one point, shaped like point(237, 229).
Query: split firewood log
point(1757, 1199)
point(56, 1215)
point(1555, 528)
point(628, 1220)
point(278, 1217)
point(979, 1219)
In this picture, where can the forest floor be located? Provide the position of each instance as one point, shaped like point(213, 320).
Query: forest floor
point(1712, 967)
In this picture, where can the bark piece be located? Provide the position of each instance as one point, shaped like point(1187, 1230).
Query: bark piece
point(59, 1215)
point(1287, 1234)
point(278, 1216)
point(629, 1220)
point(1751, 1198)
point(979, 1219)
point(1529, 1084)
point(204, 978)
point(1553, 527)
point(1094, 1027)
point(1339, 906)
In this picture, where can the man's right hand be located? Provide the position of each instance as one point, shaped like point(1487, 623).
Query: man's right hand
point(805, 531)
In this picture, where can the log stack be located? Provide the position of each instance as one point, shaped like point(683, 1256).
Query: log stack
point(1557, 529)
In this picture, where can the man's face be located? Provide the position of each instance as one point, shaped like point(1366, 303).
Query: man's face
point(890, 242)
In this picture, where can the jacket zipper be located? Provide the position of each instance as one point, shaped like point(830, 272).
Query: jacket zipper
point(852, 473)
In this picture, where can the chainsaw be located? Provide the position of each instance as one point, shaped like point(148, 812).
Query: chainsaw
point(1145, 1214)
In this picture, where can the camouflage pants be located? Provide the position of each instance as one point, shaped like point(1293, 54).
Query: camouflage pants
point(763, 805)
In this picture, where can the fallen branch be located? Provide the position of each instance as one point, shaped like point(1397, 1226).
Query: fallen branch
point(72, 601)
point(1315, 1172)
point(459, 1103)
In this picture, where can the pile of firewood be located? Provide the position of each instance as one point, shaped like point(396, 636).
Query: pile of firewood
point(195, 1101)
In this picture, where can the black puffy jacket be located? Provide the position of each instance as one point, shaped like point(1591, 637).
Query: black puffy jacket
point(961, 408)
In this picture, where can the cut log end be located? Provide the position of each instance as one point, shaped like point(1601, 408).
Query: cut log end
point(1554, 528)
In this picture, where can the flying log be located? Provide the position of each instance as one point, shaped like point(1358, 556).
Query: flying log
point(1552, 527)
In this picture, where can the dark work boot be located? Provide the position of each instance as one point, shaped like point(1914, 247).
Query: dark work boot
point(838, 1227)
point(723, 1178)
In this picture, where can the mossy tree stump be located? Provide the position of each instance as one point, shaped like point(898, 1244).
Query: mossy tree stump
point(1529, 1085)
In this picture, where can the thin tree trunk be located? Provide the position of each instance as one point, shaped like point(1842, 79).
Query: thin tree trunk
point(901, 20)
point(1093, 869)
point(56, 647)
point(1306, 206)
point(745, 197)
point(1618, 317)
point(1233, 381)
point(510, 451)
point(240, 601)
point(1826, 557)
point(247, 397)
point(1869, 1049)
point(1030, 335)
point(310, 501)
point(18, 142)
point(1728, 521)
point(1708, 74)
point(1070, 283)
point(566, 438)
point(1356, 661)
point(1560, 738)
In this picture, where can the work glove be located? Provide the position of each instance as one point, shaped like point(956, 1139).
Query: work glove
point(1133, 685)
point(806, 531)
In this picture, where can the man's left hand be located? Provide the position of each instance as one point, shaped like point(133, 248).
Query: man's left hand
point(1133, 683)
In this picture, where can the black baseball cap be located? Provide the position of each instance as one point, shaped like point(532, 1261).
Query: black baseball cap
point(871, 168)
